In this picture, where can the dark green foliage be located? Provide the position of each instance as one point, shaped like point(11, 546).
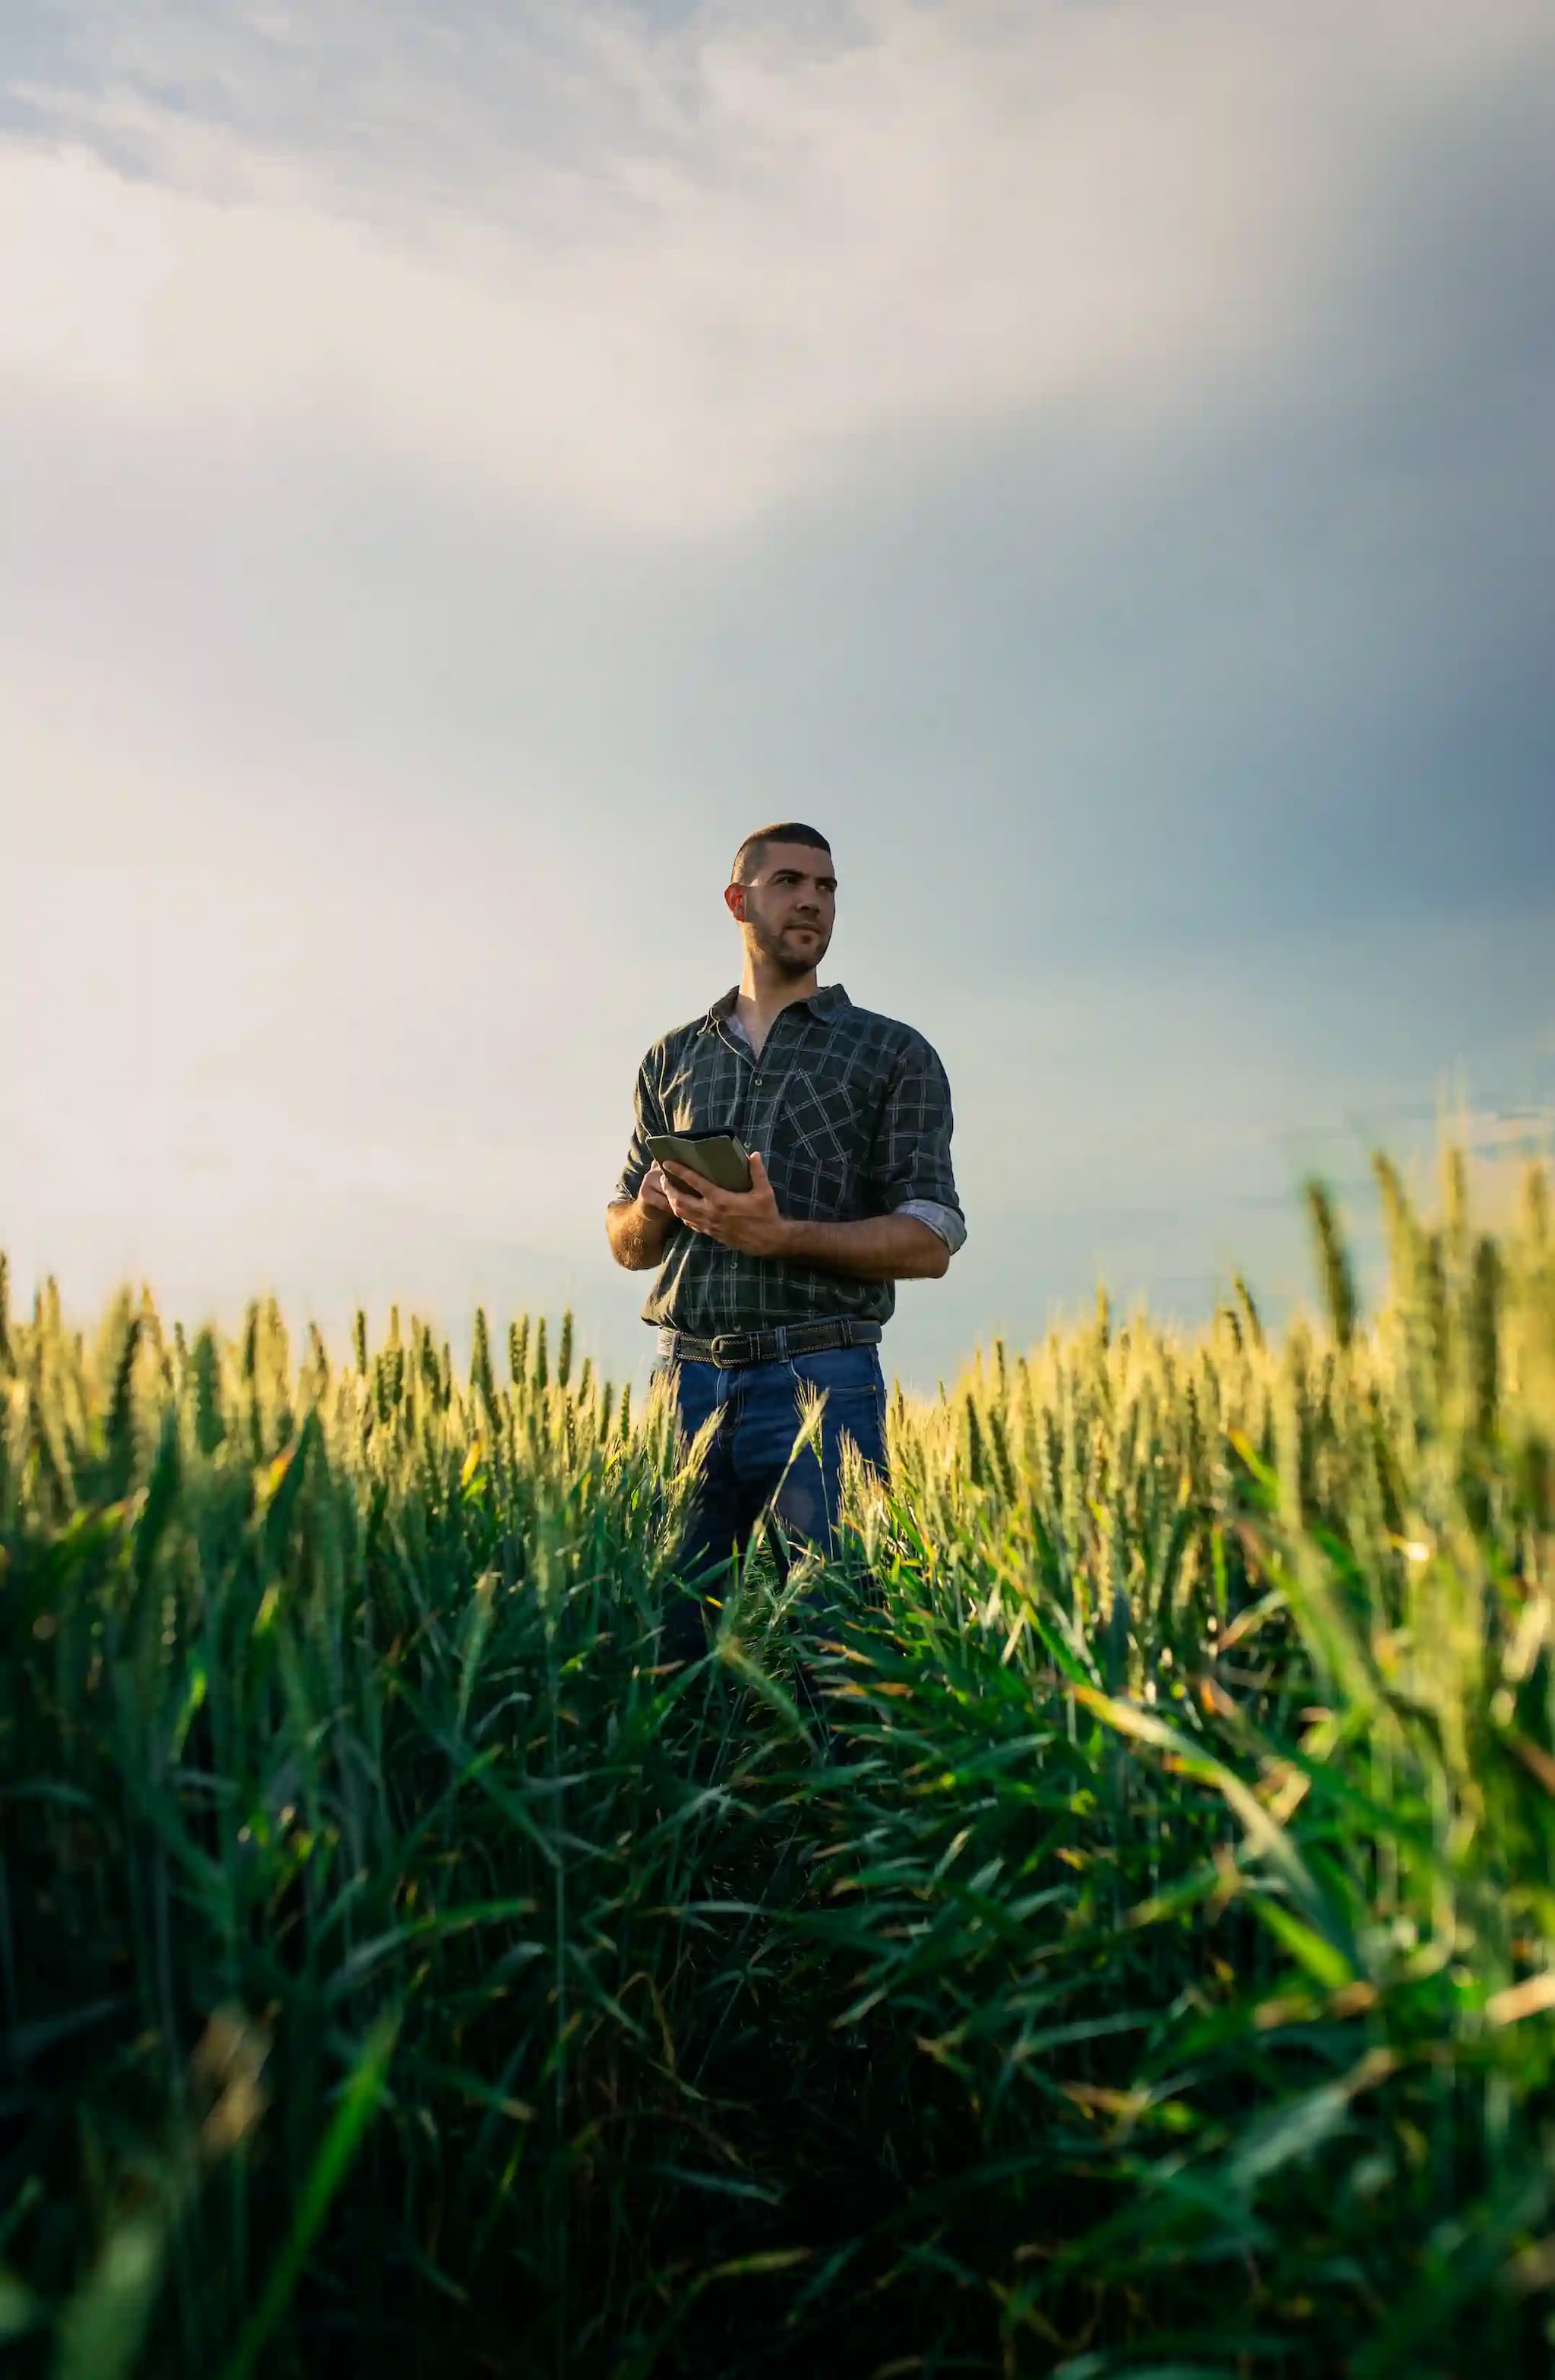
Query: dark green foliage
point(400, 1970)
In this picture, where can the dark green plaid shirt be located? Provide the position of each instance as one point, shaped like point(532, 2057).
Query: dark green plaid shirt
point(852, 1115)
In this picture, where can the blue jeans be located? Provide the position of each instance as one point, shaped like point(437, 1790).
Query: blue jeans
point(757, 1406)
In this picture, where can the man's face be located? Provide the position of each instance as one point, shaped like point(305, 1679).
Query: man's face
point(792, 907)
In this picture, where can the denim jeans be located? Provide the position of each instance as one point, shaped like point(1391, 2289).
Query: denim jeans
point(759, 1419)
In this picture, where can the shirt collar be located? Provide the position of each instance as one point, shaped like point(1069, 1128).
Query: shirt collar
point(824, 1001)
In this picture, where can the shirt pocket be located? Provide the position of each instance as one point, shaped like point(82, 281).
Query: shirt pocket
point(813, 1192)
point(818, 1174)
point(821, 1123)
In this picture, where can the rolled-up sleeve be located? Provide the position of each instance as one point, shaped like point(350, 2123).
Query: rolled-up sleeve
point(948, 1222)
point(910, 1169)
point(645, 1111)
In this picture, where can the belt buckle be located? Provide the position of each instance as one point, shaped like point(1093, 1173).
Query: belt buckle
point(724, 1339)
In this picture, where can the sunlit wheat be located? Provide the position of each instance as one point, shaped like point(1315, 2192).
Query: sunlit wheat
point(1152, 1968)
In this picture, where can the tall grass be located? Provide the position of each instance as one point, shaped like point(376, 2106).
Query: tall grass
point(1156, 1971)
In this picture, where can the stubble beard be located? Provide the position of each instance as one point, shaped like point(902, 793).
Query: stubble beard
point(782, 962)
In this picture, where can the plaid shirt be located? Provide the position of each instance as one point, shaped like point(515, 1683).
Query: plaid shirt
point(851, 1113)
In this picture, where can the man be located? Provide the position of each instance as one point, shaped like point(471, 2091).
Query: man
point(848, 1118)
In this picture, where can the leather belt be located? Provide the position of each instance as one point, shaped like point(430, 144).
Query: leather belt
point(732, 1348)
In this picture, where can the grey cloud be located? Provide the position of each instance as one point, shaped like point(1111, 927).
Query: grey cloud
point(1208, 728)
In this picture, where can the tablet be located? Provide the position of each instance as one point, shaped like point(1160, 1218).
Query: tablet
point(718, 1157)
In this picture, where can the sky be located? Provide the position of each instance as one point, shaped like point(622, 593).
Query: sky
point(463, 467)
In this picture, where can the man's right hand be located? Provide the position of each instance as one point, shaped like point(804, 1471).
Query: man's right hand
point(653, 1198)
point(639, 1228)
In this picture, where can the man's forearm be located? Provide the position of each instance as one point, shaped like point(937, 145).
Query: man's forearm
point(875, 1247)
point(637, 1235)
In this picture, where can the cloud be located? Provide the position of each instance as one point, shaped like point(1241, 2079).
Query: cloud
point(662, 277)
point(464, 466)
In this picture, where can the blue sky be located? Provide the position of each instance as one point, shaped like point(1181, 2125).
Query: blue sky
point(463, 468)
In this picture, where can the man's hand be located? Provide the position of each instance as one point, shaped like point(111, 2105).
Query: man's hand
point(653, 1196)
point(637, 1228)
point(748, 1220)
point(870, 1247)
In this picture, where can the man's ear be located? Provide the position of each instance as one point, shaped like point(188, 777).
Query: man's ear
point(734, 900)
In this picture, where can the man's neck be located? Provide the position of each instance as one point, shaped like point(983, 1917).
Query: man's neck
point(762, 997)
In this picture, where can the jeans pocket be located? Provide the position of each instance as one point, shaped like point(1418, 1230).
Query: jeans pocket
point(843, 1372)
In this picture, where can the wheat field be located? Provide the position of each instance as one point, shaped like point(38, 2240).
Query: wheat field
point(1148, 1969)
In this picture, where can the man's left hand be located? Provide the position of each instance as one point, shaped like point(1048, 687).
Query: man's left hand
point(748, 1220)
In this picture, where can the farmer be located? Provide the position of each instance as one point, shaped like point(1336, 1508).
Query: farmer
point(847, 1116)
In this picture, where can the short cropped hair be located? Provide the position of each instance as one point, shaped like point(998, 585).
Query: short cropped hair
point(753, 850)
